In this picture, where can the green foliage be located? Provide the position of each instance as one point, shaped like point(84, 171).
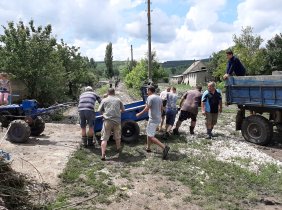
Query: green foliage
point(274, 54)
point(218, 64)
point(247, 48)
point(51, 71)
point(139, 74)
point(28, 53)
point(109, 61)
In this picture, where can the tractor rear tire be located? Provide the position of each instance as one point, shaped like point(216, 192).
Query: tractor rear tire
point(19, 131)
point(257, 129)
point(37, 127)
point(129, 131)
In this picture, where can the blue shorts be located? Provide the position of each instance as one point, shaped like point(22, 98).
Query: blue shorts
point(87, 117)
point(170, 116)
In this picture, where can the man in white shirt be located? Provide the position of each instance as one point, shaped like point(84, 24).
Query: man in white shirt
point(163, 96)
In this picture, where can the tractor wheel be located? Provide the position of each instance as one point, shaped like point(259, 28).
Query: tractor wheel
point(257, 129)
point(37, 127)
point(4, 119)
point(19, 131)
point(129, 131)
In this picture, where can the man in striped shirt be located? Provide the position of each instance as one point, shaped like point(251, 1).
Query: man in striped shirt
point(86, 111)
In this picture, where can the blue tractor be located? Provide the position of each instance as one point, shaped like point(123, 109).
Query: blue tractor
point(24, 120)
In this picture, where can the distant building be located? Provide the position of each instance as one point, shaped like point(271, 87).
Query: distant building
point(176, 79)
point(277, 73)
point(196, 74)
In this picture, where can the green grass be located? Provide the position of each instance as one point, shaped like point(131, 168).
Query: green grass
point(214, 184)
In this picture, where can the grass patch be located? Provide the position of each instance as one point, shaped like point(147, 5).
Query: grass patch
point(83, 177)
point(221, 185)
point(213, 184)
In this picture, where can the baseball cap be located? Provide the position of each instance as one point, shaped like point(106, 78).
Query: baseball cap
point(88, 88)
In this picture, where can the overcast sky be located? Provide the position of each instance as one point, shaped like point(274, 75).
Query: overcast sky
point(181, 29)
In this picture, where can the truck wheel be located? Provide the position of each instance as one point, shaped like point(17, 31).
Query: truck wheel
point(19, 131)
point(37, 127)
point(4, 119)
point(256, 129)
point(129, 131)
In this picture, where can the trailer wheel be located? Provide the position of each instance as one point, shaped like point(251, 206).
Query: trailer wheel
point(37, 127)
point(256, 129)
point(129, 131)
point(19, 131)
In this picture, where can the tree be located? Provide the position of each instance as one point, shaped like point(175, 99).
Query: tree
point(77, 69)
point(139, 74)
point(247, 48)
point(217, 65)
point(173, 70)
point(274, 54)
point(109, 61)
point(29, 54)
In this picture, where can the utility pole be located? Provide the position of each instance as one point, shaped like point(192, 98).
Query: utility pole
point(131, 62)
point(149, 43)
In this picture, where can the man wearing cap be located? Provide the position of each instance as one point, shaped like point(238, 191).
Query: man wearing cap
point(234, 66)
point(86, 111)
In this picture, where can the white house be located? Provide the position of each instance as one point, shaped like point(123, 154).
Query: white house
point(177, 79)
point(196, 74)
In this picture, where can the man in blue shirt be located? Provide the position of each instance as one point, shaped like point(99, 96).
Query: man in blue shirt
point(234, 66)
point(211, 106)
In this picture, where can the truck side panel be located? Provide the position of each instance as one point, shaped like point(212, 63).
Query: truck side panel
point(262, 91)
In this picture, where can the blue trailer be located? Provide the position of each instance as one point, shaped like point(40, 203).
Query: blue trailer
point(262, 97)
point(129, 127)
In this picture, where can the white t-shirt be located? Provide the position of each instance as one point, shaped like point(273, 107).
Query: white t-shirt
point(163, 95)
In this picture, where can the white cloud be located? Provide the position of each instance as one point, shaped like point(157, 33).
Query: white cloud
point(262, 15)
point(203, 14)
point(91, 24)
point(163, 27)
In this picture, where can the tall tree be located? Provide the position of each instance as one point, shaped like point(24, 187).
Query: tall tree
point(109, 61)
point(76, 68)
point(28, 52)
point(247, 48)
point(274, 54)
point(217, 65)
point(139, 74)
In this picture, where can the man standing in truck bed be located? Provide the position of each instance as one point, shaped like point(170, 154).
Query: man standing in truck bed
point(234, 66)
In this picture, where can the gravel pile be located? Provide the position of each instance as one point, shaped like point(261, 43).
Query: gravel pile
point(228, 145)
point(234, 151)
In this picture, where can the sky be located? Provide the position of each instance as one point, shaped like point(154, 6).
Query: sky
point(181, 29)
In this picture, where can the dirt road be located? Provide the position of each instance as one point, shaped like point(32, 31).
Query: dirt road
point(44, 157)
